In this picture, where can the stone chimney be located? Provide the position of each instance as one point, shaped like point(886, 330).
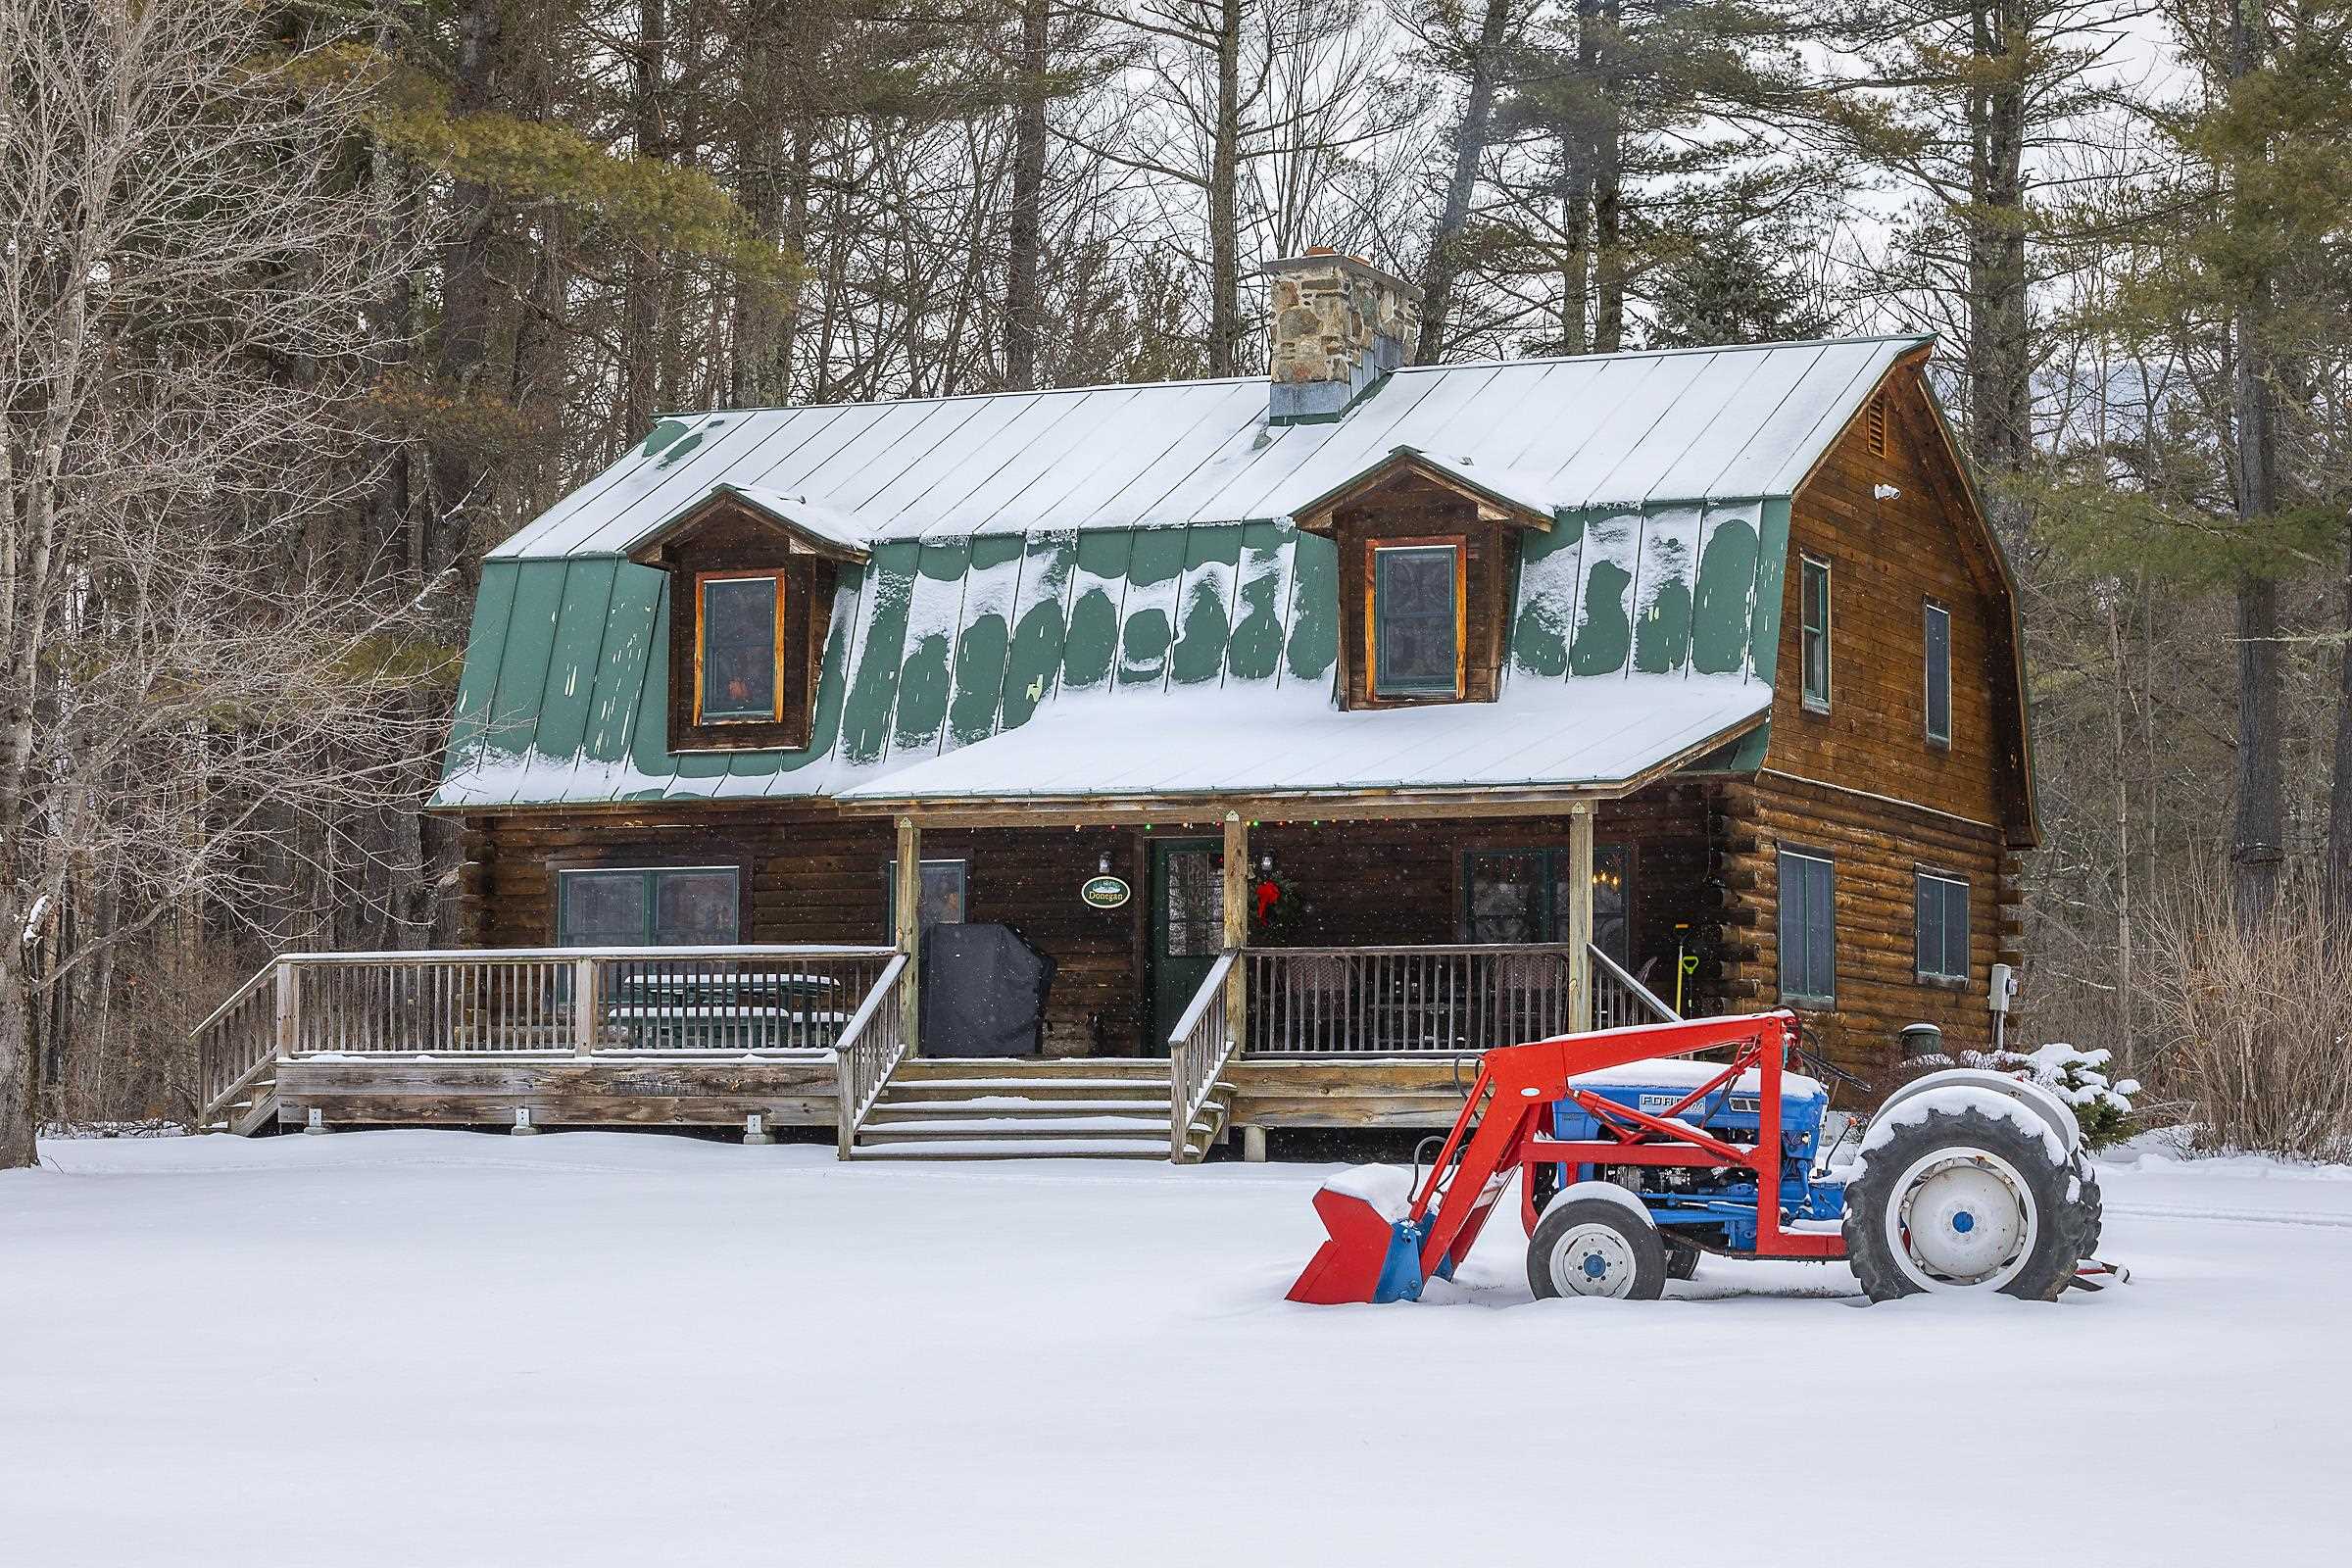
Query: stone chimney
point(1337, 324)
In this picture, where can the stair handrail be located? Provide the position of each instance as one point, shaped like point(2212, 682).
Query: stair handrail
point(1607, 966)
point(226, 1061)
point(870, 1048)
point(1198, 1048)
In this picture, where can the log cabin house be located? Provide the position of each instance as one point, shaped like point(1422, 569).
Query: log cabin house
point(1104, 770)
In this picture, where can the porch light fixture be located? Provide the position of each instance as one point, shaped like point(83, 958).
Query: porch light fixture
point(1265, 865)
point(1103, 864)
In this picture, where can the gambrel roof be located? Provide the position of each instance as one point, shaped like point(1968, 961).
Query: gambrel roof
point(1101, 593)
point(1616, 430)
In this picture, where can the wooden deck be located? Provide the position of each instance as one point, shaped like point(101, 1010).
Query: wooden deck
point(766, 1039)
point(470, 1091)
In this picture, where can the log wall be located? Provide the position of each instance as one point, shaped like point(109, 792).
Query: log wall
point(811, 874)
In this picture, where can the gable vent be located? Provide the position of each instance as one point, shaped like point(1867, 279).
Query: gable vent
point(1874, 426)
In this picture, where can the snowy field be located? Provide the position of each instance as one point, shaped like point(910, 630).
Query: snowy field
point(443, 1348)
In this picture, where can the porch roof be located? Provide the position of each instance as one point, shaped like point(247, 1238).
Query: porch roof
point(1568, 737)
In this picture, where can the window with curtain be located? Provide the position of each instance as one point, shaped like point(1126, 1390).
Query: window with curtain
point(1808, 927)
point(1943, 930)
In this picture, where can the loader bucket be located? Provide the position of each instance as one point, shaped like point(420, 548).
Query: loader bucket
point(1371, 1256)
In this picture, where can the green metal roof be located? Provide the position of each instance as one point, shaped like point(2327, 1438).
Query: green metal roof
point(1635, 634)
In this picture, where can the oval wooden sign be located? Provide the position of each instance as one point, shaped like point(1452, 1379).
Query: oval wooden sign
point(1104, 892)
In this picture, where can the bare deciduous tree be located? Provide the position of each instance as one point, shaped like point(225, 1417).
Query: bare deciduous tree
point(189, 264)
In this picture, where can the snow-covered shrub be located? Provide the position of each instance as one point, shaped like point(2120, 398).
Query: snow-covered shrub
point(2078, 1076)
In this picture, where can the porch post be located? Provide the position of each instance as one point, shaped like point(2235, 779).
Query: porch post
point(1237, 922)
point(1580, 916)
point(906, 910)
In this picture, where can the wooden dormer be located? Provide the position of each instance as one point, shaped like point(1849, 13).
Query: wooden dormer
point(1390, 524)
point(751, 582)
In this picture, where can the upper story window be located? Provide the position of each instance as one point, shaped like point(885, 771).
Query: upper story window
point(739, 673)
point(751, 581)
point(1813, 634)
point(1417, 612)
point(1938, 643)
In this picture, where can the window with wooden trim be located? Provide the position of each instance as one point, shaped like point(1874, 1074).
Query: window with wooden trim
point(1808, 897)
point(739, 669)
point(944, 886)
point(1416, 615)
point(650, 907)
point(1521, 896)
point(1813, 632)
point(1936, 639)
point(1942, 928)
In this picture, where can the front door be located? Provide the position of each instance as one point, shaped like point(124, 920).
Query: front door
point(1187, 920)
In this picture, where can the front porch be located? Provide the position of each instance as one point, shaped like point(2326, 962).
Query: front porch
point(761, 1040)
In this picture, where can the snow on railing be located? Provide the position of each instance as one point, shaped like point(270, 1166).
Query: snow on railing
point(869, 1050)
point(1199, 1049)
point(499, 1000)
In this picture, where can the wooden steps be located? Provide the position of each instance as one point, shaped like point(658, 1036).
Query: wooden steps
point(1026, 1108)
point(251, 1109)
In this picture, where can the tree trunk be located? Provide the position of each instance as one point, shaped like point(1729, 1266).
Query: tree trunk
point(1025, 233)
point(458, 473)
point(1224, 200)
point(641, 306)
point(2259, 824)
point(2339, 780)
point(16, 1047)
point(1445, 264)
point(1608, 205)
point(1999, 369)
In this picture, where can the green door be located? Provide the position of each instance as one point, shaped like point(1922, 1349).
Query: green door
point(1187, 918)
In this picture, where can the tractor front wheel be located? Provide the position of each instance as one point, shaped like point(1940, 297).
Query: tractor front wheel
point(1594, 1246)
point(1961, 1200)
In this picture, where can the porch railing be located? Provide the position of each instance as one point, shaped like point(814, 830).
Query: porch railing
point(1414, 1000)
point(871, 1046)
point(520, 999)
point(1619, 1000)
point(1199, 1049)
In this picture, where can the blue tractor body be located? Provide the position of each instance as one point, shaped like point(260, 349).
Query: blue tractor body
point(1714, 1207)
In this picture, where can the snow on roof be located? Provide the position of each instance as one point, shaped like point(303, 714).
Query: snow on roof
point(1292, 741)
point(825, 523)
point(1620, 430)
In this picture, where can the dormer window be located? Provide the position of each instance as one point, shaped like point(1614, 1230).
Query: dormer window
point(739, 674)
point(1417, 611)
point(751, 595)
point(1427, 545)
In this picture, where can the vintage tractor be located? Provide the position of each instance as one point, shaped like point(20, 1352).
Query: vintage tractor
point(1635, 1159)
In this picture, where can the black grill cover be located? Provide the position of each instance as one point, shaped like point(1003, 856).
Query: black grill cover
point(984, 992)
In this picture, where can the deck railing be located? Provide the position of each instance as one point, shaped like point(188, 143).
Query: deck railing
point(516, 999)
point(1199, 1049)
point(1619, 1000)
point(1444, 999)
point(871, 1046)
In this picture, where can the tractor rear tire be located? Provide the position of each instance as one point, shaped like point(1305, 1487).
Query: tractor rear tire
point(2087, 1212)
point(1594, 1246)
point(1962, 1200)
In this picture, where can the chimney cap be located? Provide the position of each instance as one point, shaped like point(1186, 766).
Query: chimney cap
point(1320, 255)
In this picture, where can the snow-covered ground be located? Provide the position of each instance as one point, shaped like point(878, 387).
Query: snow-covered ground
point(443, 1348)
